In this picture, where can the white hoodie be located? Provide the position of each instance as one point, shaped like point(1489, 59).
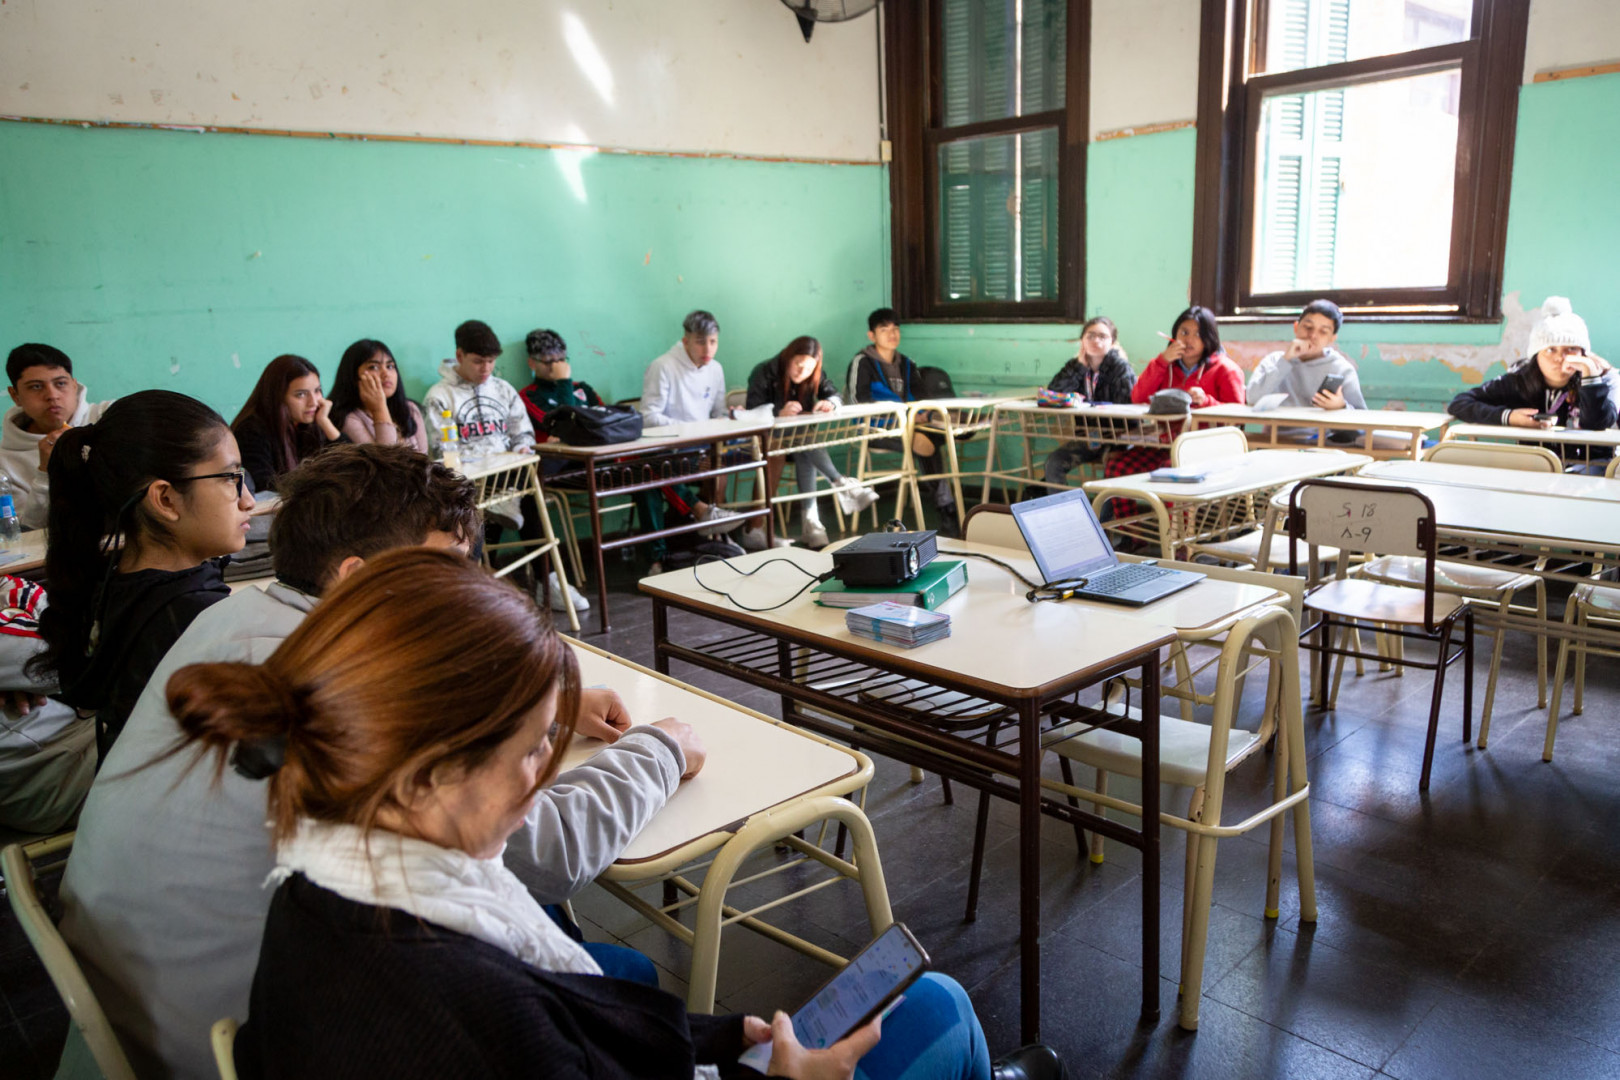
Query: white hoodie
point(19, 459)
point(489, 416)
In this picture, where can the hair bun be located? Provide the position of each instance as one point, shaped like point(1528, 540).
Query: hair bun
point(1555, 305)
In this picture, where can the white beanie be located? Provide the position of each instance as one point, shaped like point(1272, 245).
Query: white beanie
point(1558, 325)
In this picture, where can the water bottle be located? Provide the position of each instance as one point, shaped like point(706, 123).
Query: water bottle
point(10, 527)
point(449, 442)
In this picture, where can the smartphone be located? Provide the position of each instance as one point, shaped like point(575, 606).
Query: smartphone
point(1331, 384)
point(866, 986)
point(1545, 417)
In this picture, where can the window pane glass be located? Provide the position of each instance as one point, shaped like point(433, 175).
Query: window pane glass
point(1002, 58)
point(998, 217)
point(1309, 33)
point(1355, 186)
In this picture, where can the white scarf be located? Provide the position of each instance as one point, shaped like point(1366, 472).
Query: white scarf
point(477, 897)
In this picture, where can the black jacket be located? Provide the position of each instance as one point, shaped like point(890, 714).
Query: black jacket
point(349, 990)
point(1115, 378)
point(1524, 388)
point(257, 447)
point(145, 613)
point(765, 387)
point(871, 384)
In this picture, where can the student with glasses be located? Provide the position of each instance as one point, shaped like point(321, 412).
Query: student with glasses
point(146, 504)
point(554, 385)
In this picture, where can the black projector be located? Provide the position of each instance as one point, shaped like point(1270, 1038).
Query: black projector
point(884, 558)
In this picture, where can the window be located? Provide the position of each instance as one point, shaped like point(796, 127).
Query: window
point(988, 181)
point(1359, 149)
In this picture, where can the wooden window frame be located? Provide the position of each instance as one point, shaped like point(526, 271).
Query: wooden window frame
point(914, 88)
point(1229, 99)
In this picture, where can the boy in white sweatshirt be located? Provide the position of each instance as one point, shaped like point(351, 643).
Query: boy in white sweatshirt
point(47, 400)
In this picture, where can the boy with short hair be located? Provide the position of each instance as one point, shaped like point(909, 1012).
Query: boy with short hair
point(1299, 369)
point(47, 401)
point(163, 900)
point(554, 385)
point(487, 410)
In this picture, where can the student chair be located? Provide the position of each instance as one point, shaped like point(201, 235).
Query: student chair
point(1590, 608)
point(1613, 468)
point(88, 1020)
point(1494, 456)
point(223, 1038)
point(1377, 520)
point(1208, 445)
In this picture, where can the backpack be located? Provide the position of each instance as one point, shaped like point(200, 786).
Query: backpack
point(933, 382)
point(593, 425)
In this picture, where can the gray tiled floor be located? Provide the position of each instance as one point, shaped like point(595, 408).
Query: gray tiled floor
point(1472, 931)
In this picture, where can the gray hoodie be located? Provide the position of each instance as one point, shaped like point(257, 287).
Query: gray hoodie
point(164, 899)
point(19, 459)
point(1301, 379)
point(489, 416)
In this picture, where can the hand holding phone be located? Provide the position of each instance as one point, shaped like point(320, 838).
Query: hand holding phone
point(1331, 384)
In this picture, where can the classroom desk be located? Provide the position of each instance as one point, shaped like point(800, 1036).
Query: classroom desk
point(829, 678)
point(1562, 441)
point(660, 457)
point(763, 782)
point(956, 420)
point(27, 557)
point(1282, 428)
point(508, 477)
point(1568, 485)
point(849, 425)
point(1105, 425)
point(1228, 502)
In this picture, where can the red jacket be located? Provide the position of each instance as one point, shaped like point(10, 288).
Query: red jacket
point(1218, 377)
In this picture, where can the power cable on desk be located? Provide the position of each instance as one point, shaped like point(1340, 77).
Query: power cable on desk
point(1055, 590)
point(814, 579)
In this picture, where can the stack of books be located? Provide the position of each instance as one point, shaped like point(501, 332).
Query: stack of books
point(938, 582)
point(906, 625)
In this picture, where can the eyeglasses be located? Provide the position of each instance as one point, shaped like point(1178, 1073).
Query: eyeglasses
point(238, 475)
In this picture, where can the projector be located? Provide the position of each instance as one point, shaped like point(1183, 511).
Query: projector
point(885, 558)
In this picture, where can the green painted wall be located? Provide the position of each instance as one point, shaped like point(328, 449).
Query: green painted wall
point(187, 261)
point(1563, 232)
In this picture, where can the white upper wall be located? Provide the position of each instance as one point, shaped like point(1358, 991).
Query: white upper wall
point(1144, 62)
point(717, 75)
point(1569, 33)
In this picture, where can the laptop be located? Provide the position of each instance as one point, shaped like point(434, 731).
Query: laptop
point(1072, 550)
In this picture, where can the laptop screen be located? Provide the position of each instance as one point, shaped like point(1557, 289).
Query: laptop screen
point(1064, 535)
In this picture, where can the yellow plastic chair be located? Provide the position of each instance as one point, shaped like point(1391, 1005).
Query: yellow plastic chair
point(1495, 456)
point(85, 1012)
point(223, 1038)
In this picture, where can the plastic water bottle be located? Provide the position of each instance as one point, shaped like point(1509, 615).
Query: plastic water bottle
point(10, 526)
point(449, 442)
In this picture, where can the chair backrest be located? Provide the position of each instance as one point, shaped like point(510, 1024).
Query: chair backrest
point(223, 1038)
point(1495, 456)
point(736, 399)
point(1194, 448)
point(1614, 467)
point(82, 1006)
point(992, 523)
point(1367, 519)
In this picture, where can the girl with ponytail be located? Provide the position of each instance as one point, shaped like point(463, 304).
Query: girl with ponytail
point(143, 503)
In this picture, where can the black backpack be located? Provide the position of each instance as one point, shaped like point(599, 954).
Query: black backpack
point(934, 383)
point(593, 425)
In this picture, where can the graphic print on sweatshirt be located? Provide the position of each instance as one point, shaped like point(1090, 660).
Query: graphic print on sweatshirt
point(480, 416)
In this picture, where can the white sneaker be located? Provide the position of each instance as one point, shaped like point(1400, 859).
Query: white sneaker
point(813, 535)
point(557, 601)
point(753, 539)
point(721, 520)
point(853, 497)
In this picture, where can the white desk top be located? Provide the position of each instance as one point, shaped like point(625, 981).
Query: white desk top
point(31, 548)
point(1001, 645)
point(1255, 471)
point(754, 763)
point(1104, 411)
point(1608, 437)
point(494, 463)
point(843, 412)
point(1362, 419)
point(671, 434)
point(961, 402)
point(1574, 485)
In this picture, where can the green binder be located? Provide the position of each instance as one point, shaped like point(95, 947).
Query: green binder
point(939, 580)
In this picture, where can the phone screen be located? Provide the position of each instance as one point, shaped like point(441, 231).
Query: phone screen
point(883, 968)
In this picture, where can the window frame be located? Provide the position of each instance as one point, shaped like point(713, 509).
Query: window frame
point(1232, 34)
point(914, 89)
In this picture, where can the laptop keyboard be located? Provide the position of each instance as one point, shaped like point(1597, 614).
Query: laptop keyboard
point(1127, 577)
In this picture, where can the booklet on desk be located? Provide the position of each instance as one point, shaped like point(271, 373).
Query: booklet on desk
point(938, 581)
point(898, 624)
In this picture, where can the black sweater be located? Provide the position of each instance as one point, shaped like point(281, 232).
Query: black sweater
point(258, 450)
point(1115, 378)
point(1524, 388)
point(872, 383)
point(350, 990)
point(765, 388)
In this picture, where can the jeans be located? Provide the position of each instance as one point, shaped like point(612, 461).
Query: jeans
point(805, 467)
point(933, 1035)
point(616, 961)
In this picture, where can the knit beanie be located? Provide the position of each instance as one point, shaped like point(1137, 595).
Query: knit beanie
point(1558, 325)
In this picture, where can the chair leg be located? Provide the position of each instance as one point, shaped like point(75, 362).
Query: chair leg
point(1101, 787)
point(1274, 852)
point(1434, 706)
point(1580, 664)
point(1498, 637)
point(1541, 643)
point(1195, 809)
point(1184, 679)
point(917, 775)
point(1564, 645)
point(980, 827)
point(945, 788)
point(1468, 674)
point(1324, 637)
point(1068, 778)
point(1197, 935)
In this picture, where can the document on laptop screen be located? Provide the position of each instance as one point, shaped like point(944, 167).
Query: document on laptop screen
point(1062, 539)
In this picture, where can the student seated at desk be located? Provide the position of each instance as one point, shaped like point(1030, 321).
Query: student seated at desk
point(397, 943)
point(1192, 361)
point(554, 385)
point(161, 471)
point(1562, 379)
point(163, 898)
point(47, 400)
point(284, 421)
point(790, 383)
point(1299, 369)
point(884, 373)
point(369, 402)
point(684, 386)
point(1101, 375)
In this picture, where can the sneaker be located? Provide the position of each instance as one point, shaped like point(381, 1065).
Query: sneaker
point(754, 539)
point(853, 497)
point(1033, 1062)
point(721, 519)
point(813, 535)
point(654, 569)
point(557, 601)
